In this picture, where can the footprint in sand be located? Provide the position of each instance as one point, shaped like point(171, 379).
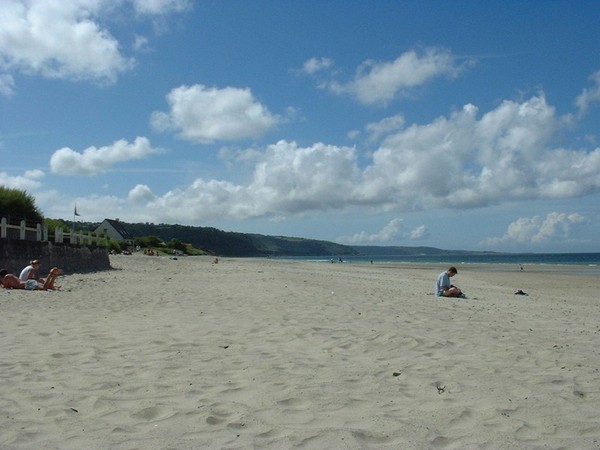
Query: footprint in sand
point(371, 438)
point(294, 403)
point(464, 418)
point(295, 410)
point(152, 413)
point(212, 420)
point(218, 416)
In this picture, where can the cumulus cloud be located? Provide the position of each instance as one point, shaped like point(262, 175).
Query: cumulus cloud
point(93, 160)
point(287, 179)
point(30, 180)
point(67, 39)
point(381, 82)
point(589, 96)
point(203, 199)
point(202, 114)
point(537, 230)
point(394, 230)
point(140, 194)
point(463, 160)
point(384, 127)
point(460, 161)
point(391, 231)
point(58, 40)
point(296, 179)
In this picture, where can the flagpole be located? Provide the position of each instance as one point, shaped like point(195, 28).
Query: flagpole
point(74, 214)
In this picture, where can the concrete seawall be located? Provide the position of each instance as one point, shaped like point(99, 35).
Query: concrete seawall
point(16, 254)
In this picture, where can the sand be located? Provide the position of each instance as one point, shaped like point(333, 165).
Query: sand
point(164, 353)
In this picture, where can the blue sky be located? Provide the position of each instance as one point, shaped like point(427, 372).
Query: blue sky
point(454, 124)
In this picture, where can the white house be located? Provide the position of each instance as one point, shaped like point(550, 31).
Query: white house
point(115, 230)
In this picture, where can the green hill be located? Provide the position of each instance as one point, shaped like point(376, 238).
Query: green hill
point(226, 243)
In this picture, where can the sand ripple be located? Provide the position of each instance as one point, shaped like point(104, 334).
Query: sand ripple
point(163, 353)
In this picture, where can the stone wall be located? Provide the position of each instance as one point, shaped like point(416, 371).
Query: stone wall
point(15, 254)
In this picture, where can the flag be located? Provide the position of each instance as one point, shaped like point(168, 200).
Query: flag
point(75, 212)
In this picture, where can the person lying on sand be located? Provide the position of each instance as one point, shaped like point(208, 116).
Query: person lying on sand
point(11, 281)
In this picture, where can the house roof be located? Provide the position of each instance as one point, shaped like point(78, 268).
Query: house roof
point(119, 228)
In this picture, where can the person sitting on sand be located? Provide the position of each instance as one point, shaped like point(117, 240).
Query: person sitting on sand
point(30, 272)
point(443, 287)
point(10, 281)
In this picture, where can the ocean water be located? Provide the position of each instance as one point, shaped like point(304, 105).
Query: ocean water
point(583, 263)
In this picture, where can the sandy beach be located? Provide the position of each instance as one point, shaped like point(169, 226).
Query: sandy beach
point(268, 354)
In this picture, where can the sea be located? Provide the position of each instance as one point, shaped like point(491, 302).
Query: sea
point(581, 263)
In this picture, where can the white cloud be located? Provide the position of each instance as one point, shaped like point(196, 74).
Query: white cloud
point(556, 224)
point(298, 179)
point(462, 162)
point(68, 39)
point(93, 160)
point(537, 230)
point(140, 194)
point(160, 6)
point(589, 96)
point(140, 44)
point(314, 65)
point(394, 230)
point(202, 114)
point(287, 179)
point(30, 180)
point(385, 127)
point(58, 40)
point(7, 83)
point(381, 82)
point(465, 160)
point(202, 200)
point(419, 233)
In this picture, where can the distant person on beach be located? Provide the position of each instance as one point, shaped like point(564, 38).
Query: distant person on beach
point(31, 271)
point(443, 286)
point(11, 281)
